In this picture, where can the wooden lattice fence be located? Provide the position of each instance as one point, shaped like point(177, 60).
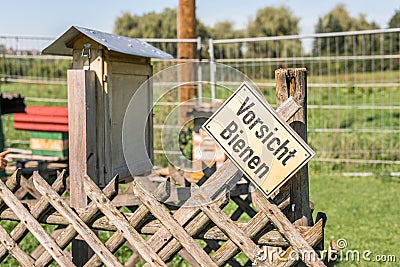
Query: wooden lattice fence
point(219, 220)
point(169, 231)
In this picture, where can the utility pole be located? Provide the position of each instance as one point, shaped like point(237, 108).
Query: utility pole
point(186, 30)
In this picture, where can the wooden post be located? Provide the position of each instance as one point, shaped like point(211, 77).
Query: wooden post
point(186, 30)
point(293, 82)
point(82, 146)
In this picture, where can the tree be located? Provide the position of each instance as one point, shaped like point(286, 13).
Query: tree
point(339, 20)
point(226, 30)
point(154, 25)
point(395, 20)
point(392, 41)
point(149, 25)
point(274, 21)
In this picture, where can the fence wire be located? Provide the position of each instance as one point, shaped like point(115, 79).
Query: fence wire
point(353, 87)
point(353, 91)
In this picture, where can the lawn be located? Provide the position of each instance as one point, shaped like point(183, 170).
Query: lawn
point(362, 210)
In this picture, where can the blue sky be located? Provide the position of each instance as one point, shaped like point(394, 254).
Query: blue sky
point(52, 18)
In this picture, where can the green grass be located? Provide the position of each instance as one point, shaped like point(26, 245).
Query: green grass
point(361, 210)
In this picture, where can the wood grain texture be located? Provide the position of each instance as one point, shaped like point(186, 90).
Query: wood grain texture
point(236, 235)
point(82, 132)
point(85, 232)
point(131, 235)
point(313, 235)
point(41, 206)
point(293, 83)
point(34, 227)
point(288, 230)
point(12, 247)
point(87, 215)
point(173, 226)
point(254, 226)
point(134, 219)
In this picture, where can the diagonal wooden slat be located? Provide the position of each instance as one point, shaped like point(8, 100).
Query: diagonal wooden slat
point(173, 226)
point(87, 215)
point(140, 214)
point(237, 235)
point(27, 187)
point(131, 235)
point(183, 215)
point(222, 176)
point(13, 184)
point(20, 230)
point(287, 229)
point(39, 250)
point(34, 227)
point(134, 258)
point(189, 258)
point(15, 251)
point(86, 233)
point(312, 236)
point(254, 226)
point(194, 226)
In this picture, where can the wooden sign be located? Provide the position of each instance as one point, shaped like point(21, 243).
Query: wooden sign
point(263, 146)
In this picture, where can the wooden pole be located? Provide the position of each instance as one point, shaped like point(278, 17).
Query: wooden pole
point(293, 82)
point(186, 30)
point(82, 146)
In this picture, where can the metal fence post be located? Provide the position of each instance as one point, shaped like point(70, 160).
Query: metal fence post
point(212, 67)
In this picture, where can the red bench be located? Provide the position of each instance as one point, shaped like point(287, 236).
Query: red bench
point(48, 127)
point(44, 119)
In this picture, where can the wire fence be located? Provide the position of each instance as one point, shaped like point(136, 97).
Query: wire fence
point(353, 92)
point(353, 87)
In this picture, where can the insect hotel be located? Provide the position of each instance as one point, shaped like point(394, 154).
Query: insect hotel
point(252, 229)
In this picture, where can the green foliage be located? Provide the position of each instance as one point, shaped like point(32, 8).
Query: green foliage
point(225, 30)
point(392, 41)
point(395, 20)
point(186, 140)
point(275, 21)
point(154, 25)
point(149, 25)
point(339, 20)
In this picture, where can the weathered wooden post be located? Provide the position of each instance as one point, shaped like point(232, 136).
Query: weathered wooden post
point(107, 71)
point(293, 82)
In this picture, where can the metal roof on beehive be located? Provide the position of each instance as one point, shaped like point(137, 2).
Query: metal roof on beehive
point(112, 42)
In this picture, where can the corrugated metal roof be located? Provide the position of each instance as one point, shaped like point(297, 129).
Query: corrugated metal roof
point(112, 42)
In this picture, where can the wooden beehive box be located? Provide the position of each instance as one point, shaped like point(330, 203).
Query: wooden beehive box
point(121, 66)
